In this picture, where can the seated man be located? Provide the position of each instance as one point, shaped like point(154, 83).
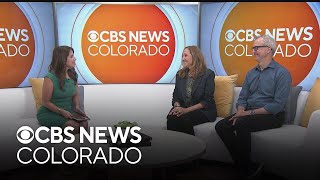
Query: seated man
point(260, 105)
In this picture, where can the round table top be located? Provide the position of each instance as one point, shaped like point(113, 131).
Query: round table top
point(168, 148)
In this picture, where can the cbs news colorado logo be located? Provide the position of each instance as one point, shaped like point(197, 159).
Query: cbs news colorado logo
point(129, 44)
point(16, 45)
point(294, 27)
point(82, 154)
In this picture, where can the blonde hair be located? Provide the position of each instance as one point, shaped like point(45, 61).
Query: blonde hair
point(198, 66)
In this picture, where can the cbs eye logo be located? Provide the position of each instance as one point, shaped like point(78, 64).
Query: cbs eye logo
point(230, 35)
point(25, 134)
point(93, 36)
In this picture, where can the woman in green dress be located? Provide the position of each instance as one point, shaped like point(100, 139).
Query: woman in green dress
point(60, 92)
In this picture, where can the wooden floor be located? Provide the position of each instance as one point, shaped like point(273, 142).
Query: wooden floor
point(206, 170)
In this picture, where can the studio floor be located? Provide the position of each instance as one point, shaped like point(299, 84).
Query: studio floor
point(205, 170)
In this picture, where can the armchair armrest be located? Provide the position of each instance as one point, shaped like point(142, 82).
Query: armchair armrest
point(313, 130)
point(311, 147)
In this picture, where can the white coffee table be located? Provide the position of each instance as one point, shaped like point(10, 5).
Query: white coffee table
point(168, 148)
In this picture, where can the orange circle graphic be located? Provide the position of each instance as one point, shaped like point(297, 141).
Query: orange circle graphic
point(128, 43)
point(16, 45)
point(293, 25)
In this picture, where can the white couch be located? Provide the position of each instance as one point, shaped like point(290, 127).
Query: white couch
point(290, 151)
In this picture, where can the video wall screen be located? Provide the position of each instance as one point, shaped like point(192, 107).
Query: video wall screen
point(127, 43)
point(143, 43)
point(228, 29)
point(26, 41)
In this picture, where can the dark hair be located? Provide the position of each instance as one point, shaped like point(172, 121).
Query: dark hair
point(198, 66)
point(58, 64)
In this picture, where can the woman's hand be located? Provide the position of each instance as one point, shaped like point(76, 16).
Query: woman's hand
point(66, 114)
point(178, 111)
point(78, 110)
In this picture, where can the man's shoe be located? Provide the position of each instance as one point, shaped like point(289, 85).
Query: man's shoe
point(255, 170)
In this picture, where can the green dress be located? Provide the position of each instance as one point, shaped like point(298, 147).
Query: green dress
point(62, 99)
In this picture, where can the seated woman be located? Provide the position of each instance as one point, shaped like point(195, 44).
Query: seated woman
point(60, 92)
point(192, 101)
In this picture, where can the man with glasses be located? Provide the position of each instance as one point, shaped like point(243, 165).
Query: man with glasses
point(260, 106)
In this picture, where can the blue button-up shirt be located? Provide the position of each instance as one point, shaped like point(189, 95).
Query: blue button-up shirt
point(268, 88)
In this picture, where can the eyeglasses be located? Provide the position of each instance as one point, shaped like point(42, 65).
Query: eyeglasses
point(255, 48)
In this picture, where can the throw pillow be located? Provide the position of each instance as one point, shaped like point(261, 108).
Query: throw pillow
point(36, 84)
point(312, 103)
point(291, 105)
point(223, 94)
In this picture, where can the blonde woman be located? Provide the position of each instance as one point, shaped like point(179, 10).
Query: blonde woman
point(193, 102)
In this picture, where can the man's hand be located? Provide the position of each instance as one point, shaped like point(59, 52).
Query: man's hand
point(239, 113)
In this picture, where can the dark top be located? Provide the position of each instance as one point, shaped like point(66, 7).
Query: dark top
point(268, 88)
point(202, 92)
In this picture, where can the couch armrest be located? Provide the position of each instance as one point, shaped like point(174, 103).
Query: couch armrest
point(311, 149)
point(313, 130)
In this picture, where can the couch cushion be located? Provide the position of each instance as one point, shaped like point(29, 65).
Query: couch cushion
point(288, 137)
point(302, 98)
point(269, 145)
point(215, 148)
point(291, 105)
point(312, 103)
point(279, 149)
point(223, 94)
